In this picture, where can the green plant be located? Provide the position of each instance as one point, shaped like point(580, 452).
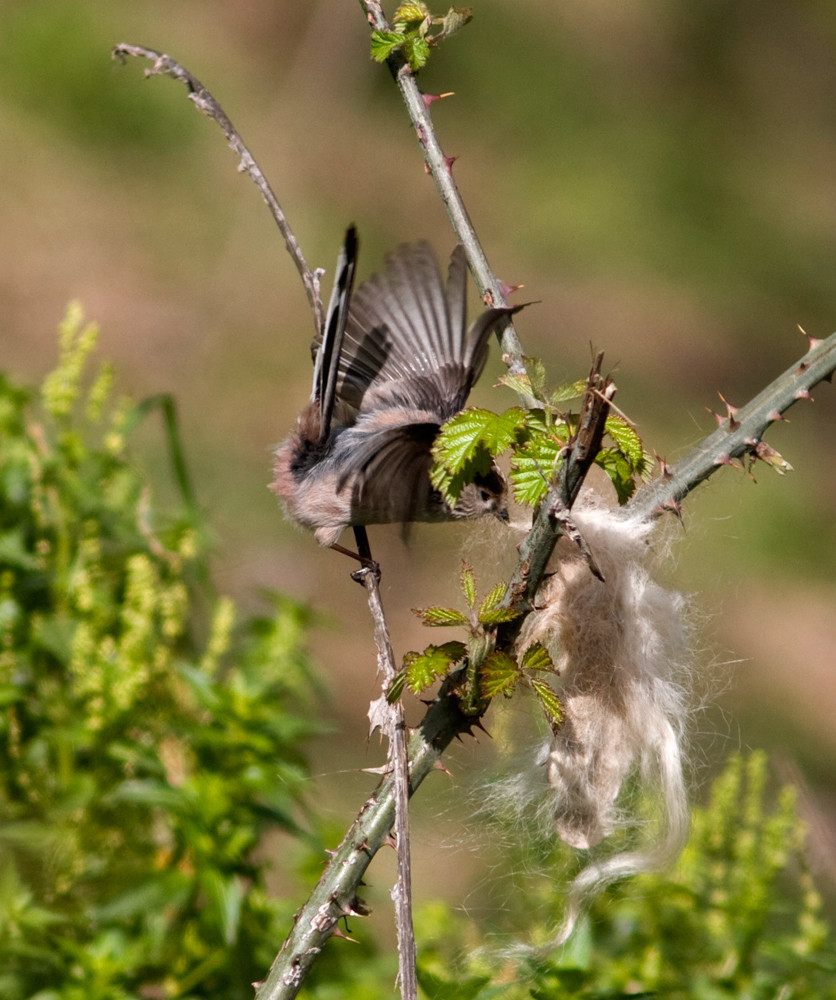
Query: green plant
point(146, 746)
point(739, 917)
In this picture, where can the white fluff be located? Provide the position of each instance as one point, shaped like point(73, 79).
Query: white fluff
point(621, 648)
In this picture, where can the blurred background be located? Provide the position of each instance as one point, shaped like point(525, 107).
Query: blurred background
point(660, 177)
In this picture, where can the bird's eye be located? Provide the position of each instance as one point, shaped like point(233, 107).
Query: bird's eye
point(486, 497)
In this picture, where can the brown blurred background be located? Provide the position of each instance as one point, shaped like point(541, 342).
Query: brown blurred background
point(659, 175)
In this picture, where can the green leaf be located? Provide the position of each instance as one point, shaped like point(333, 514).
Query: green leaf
point(440, 616)
point(620, 470)
point(571, 390)
point(421, 669)
point(498, 674)
point(536, 371)
point(410, 15)
point(537, 657)
point(463, 448)
point(417, 51)
point(468, 582)
point(520, 383)
point(533, 467)
point(503, 429)
point(459, 439)
point(499, 615)
point(493, 600)
point(628, 441)
point(549, 701)
point(384, 43)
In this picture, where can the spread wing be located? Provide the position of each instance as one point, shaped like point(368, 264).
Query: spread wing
point(406, 338)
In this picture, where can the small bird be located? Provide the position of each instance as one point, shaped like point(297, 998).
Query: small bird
point(394, 363)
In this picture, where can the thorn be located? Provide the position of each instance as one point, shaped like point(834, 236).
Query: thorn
point(777, 415)
point(429, 99)
point(804, 394)
point(346, 937)
point(725, 460)
point(449, 161)
point(664, 468)
point(731, 412)
point(438, 766)
point(814, 341)
point(507, 290)
point(671, 507)
point(390, 842)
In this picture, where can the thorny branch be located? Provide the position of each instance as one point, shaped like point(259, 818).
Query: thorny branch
point(205, 102)
point(389, 718)
point(440, 167)
point(740, 434)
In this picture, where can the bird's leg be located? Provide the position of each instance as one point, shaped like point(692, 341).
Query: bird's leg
point(362, 555)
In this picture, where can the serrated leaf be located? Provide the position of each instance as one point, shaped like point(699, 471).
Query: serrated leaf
point(571, 390)
point(620, 471)
point(535, 422)
point(537, 376)
point(468, 582)
point(494, 599)
point(520, 383)
point(537, 657)
point(549, 701)
point(498, 616)
point(498, 674)
point(628, 441)
point(460, 437)
point(502, 429)
point(440, 616)
point(417, 51)
point(410, 14)
point(421, 669)
point(384, 43)
point(532, 469)
point(464, 445)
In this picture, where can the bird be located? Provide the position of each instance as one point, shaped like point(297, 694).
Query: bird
point(395, 361)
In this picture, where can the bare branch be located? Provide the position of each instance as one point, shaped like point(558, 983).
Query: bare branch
point(205, 102)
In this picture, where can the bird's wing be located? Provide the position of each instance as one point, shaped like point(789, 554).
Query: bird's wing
point(386, 469)
point(329, 349)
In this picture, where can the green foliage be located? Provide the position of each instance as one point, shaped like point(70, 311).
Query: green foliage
point(146, 739)
point(537, 437)
point(412, 35)
point(486, 671)
point(740, 917)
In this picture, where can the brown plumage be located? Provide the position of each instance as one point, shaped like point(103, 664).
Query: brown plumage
point(395, 362)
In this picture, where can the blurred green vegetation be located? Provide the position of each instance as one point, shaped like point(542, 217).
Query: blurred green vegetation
point(144, 753)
